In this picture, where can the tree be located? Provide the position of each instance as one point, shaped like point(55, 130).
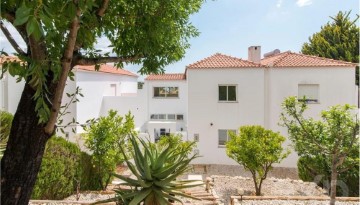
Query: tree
point(61, 34)
point(104, 138)
point(337, 40)
point(335, 136)
point(257, 149)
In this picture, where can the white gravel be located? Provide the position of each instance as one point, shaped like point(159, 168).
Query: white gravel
point(226, 186)
point(291, 202)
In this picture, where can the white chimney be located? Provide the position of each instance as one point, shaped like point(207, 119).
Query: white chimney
point(254, 54)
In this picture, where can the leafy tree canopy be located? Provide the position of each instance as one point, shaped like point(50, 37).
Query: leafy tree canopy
point(338, 39)
point(335, 137)
point(257, 149)
point(146, 32)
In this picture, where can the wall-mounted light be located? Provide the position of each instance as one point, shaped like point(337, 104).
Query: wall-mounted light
point(211, 124)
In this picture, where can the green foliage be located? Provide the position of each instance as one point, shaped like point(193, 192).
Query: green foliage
point(318, 169)
point(63, 167)
point(104, 138)
point(333, 140)
point(152, 33)
point(337, 40)
point(5, 127)
point(256, 149)
point(175, 141)
point(156, 169)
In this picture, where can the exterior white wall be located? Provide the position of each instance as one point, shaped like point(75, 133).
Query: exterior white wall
point(336, 86)
point(204, 107)
point(167, 105)
point(10, 93)
point(137, 105)
point(94, 86)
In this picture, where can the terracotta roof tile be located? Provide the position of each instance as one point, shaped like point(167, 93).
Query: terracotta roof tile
point(168, 76)
point(106, 69)
point(223, 61)
point(290, 59)
point(4, 59)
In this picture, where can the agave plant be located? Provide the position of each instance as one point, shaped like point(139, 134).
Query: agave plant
point(156, 169)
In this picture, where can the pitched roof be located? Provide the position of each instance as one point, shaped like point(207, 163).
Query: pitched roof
point(290, 59)
point(4, 59)
point(219, 60)
point(104, 68)
point(168, 76)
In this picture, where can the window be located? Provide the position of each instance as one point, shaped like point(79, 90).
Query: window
point(224, 136)
point(227, 93)
point(171, 116)
point(166, 117)
point(140, 85)
point(154, 117)
point(113, 89)
point(166, 92)
point(309, 91)
point(162, 117)
point(179, 117)
point(196, 137)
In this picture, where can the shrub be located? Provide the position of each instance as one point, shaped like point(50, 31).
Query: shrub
point(5, 127)
point(105, 136)
point(317, 169)
point(176, 141)
point(63, 167)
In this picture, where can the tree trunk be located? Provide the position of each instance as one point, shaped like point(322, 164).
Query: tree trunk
point(334, 176)
point(257, 189)
point(25, 148)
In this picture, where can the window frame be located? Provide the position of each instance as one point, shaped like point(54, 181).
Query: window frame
point(166, 90)
point(309, 101)
point(227, 93)
point(227, 136)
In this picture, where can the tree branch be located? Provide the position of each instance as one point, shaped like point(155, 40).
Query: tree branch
point(66, 66)
point(12, 41)
point(103, 8)
point(102, 60)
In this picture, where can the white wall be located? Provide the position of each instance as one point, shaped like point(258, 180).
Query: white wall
point(204, 107)
point(167, 105)
point(137, 105)
point(336, 86)
point(10, 93)
point(94, 86)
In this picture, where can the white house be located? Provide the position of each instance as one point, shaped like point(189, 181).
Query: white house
point(94, 85)
point(225, 93)
point(212, 96)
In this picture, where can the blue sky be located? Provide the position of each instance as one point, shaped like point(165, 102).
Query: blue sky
point(231, 26)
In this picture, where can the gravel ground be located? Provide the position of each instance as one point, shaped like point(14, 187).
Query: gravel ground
point(284, 202)
point(226, 186)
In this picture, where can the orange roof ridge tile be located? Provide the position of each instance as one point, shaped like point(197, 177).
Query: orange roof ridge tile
point(292, 59)
point(166, 76)
point(104, 68)
point(219, 60)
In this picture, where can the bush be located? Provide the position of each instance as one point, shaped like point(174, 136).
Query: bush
point(105, 136)
point(311, 168)
point(5, 127)
point(63, 167)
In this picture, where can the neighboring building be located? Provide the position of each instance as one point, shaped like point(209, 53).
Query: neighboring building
point(214, 95)
point(226, 92)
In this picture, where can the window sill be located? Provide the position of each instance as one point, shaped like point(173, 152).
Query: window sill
point(165, 97)
point(221, 146)
point(227, 101)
